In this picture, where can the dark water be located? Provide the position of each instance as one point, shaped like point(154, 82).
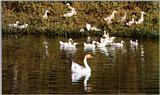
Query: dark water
point(29, 66)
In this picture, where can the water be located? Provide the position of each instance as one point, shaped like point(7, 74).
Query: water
point(36, 64)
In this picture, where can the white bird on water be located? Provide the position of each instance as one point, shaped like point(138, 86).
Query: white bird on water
point(76, 68)
point(45, 15)
point(118, 44)
point(141, 19)
point(135, 43)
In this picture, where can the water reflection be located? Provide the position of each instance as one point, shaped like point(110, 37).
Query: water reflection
point(76, 77)
point(104, 50)
point(34, 65)
point(45, 43)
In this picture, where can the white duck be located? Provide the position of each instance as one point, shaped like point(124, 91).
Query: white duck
point(130, 22)
point(118, 44)
point(135, 43)
point(76, 68)
point(141, 19)
point(45, 15)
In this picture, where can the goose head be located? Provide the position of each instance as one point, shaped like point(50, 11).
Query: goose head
point(114, 11)
point(143, 12)
point(68, 4)
point(17, 22)
point(88, 56)
point(46, 11)
point(94, 42)
point(122, 42)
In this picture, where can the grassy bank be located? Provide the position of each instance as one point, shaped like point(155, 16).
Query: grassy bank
point(87, 12)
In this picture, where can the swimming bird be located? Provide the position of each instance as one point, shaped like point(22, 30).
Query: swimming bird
point(45, 15)
point(118, 44)
point(105, 35)
point(76, 68)
point(90, 45)
point(63, 44)
point(135, 43)
point(141, 19)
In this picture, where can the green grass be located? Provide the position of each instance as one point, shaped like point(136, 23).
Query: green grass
point(92, 12)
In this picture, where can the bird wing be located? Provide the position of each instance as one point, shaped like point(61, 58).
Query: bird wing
point(76, 67)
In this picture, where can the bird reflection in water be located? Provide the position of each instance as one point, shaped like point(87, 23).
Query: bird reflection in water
point(76, 77)
point(45, 43)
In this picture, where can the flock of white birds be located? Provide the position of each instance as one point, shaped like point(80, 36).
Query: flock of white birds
point(73, 12)
point(105, 40)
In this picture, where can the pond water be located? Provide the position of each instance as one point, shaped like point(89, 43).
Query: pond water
point(30, 66)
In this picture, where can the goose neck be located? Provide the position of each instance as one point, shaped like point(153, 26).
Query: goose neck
point(86, 64)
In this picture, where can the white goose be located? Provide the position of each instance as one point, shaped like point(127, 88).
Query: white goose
point(130, 22)
point(118, 44)
point(14, 24)
point(23, 26)
point(76, 68)
point(88, 26)
point(64, 44)
point(71, 13)
point(90, 45)
point(135, 43)
point(105, 35)
point(141, 19)
point(45, 15)
point(95, 29)
point(109, 18)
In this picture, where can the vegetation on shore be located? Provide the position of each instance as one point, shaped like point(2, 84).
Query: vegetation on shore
point(92, 12)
